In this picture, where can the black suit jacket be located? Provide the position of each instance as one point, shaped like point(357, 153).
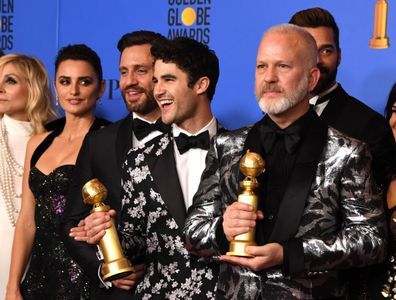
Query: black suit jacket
point(352, 117)
point(101, 156)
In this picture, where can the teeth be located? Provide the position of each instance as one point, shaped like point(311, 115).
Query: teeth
point(166, 102)
point(133, 92)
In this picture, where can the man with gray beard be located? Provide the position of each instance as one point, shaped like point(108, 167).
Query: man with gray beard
point(319, 211)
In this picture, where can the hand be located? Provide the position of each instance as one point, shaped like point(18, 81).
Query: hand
point(96, 224)
point(79, 233)
point(13, 295)
point(239, 218)
point(129, 282)
point(265, 257)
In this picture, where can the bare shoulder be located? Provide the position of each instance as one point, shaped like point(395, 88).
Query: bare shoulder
point(36, 140)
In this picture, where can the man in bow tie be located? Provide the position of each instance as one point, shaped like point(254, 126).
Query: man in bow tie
point(352, 117)
point(319, 209)
point(103, 153)
point(160, 180)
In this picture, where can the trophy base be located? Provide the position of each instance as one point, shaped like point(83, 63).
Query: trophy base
point(116, 269)
point(238, 249)
point(379, 42)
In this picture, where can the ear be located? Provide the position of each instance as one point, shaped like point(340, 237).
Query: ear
point(313, 78)
point(102, 88)
point(202, 85)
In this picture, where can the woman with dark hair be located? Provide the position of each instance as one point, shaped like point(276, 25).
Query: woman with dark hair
point(390, 110)
point(389, 290)
point(49, 164)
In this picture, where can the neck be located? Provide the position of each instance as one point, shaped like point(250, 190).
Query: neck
point(151, 116)
point(288, 117)
point(199, 119)
point(75, 127)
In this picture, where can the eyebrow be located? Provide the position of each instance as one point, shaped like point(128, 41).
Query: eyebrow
point(168, 76)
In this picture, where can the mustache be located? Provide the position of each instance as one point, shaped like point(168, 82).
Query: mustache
point(134, 87)
point(270, 87)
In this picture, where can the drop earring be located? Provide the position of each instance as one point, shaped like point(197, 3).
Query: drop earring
point(100, 101)
point(57, 101)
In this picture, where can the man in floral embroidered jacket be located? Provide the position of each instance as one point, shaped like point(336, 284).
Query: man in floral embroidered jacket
point(319, 211)
point(160, 179)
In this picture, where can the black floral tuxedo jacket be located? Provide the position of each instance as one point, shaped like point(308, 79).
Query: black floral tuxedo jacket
point(151, 226)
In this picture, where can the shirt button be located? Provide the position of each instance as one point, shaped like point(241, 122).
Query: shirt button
point(270, 217)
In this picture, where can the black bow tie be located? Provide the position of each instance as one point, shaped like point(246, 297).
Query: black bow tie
point(269, 134)
point(142, 128)
point(185, 142)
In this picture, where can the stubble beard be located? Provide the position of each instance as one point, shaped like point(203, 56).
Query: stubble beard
point(285, 102)
point(142, 106)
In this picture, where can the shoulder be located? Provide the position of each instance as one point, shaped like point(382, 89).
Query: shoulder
point(107, 129)
point(35, 141)
point(360, 109)
point(340, 142)
point(236, 137)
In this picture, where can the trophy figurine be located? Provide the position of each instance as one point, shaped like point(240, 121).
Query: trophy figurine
point(379, 38)
point(251, 165)
point(115, 264)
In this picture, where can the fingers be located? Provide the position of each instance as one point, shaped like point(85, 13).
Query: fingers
point(95, 225)
point(265, 257)
point(78, 233)
point(238, 218)
point(129, 282)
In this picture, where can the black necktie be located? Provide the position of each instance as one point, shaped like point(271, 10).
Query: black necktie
point(291, 137)
point(185, 142)
point(141, 128)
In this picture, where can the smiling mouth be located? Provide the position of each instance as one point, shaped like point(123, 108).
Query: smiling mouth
point(165, 103)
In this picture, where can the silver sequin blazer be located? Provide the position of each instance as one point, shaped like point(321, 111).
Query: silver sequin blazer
point(338, 217)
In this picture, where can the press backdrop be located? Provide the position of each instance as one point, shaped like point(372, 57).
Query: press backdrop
point(232, 28)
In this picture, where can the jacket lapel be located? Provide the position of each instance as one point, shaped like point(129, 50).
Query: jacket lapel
point(164, 173)
point(336, 104)
point(124, 139)
point(300, 182)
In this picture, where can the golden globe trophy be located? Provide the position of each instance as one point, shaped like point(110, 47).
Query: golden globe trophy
point(379, 38)
point(251, 165)
point(115, 264)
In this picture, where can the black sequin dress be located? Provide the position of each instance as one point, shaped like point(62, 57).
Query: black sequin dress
point(52, 274)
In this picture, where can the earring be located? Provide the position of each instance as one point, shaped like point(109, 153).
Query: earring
point(100, 101)
point(57, 101)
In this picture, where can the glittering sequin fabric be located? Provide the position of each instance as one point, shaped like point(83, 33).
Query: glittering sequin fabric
point(52, 274)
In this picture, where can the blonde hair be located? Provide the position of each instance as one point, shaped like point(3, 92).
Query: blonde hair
point(40, 105)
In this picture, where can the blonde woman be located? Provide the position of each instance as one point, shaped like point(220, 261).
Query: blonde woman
point(25, 105)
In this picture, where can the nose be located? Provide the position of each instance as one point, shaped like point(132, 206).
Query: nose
point(158, 89)
point(270, 75)
point(74, 89)
point(131, 79)
point(2, 90)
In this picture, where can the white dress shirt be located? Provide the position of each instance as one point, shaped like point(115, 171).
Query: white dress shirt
point(320, 107)
point(191, 164)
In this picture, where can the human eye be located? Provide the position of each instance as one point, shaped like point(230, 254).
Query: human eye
point(86, 81)
point(155, 80)
point(64, 81)
point(326, 51)
point(123, 72)
point(11, 80)
point(141, 71)
point(260, 66)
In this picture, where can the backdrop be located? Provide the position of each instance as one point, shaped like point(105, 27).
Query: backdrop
point(232, 28)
